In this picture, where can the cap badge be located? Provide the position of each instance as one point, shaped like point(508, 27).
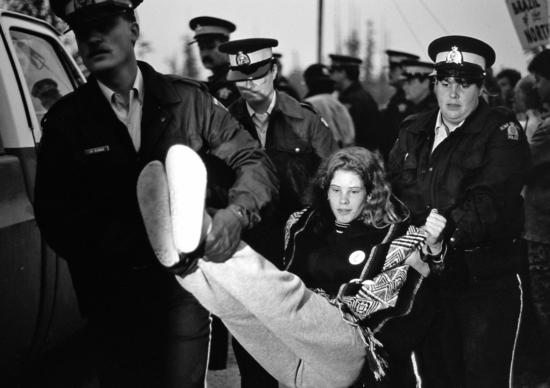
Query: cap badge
point(242, 59)
point(198, 28)
point(454, 56)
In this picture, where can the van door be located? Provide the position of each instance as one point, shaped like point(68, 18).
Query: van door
point(38, 309)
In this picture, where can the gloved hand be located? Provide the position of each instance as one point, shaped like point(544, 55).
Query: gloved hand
point(225, 235)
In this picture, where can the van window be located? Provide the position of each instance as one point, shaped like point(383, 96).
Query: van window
point(44, 72)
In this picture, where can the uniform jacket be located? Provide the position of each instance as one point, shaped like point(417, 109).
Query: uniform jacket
point(283, 84)
point(296, 141)
point(337, 117)
point(365, 115)
point(474, 178)
point(86, 203)
point(537, 190)
point(225, 91)
point(392, 115)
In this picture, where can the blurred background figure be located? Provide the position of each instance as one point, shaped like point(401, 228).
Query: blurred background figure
point(527, 105)
point(46, 91)
point(344, 71)
point(210, 33)
point(506, 81)
point(397, 107)
point(320, 94)
point(281, 82)
point(417, 86)
point(537, 218)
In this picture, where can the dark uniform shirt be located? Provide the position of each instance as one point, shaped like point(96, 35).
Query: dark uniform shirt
point(365, 115)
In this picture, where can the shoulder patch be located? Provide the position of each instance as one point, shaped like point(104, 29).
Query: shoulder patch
point(512, 130)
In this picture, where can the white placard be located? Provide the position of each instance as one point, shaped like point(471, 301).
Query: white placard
point(530, 18)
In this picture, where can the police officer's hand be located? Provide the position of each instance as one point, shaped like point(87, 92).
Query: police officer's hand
point(435, 224)
point(225, 234)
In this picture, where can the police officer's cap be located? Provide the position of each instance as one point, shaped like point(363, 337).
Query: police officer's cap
point(344, 60)
point(78, 12)
point(395, 58)
point(249, 59)
point(461, 56)
point(211, 27)
point(317, 72)
point(416, 69)
point(43, 87)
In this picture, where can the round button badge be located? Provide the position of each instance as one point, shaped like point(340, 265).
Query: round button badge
point(356, 257)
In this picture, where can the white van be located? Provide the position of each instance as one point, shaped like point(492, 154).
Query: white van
point(39, 316)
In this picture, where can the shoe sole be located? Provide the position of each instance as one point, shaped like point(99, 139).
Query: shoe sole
point(186, 176)
point(153, 199)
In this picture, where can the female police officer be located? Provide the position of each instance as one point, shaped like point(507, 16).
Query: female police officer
point(466, 159)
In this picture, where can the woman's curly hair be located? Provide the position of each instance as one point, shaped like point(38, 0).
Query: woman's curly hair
point(379, 209)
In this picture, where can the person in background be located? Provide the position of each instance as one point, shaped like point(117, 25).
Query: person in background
point(527, 105)
point(507, 80)
point(320, 88)
point(355, 235)
point(296, 140)
point(468, 161)
point(344, 71)
point(417, 86)
point(210, 32)
point(147, 331)
point(537, 214)
point(281, 82)
point(47, 92)
point(397, 107)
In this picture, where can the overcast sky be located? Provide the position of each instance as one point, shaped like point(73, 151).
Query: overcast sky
point(407, 25)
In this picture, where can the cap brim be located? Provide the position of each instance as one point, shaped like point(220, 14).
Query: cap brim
point(80, 19)
point(235, 75)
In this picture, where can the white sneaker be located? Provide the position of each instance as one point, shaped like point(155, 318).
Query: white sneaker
point(172, 206)
point(186, 176)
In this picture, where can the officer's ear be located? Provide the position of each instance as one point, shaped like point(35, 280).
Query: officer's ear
point(134, 29)
point(274, 69)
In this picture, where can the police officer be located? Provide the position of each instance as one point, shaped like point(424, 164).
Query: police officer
point(467, 160)
point(362, 107)
point(417, 86)
point(281, 82)
point(397, 107)
point(148, 331)
point(296, 140)
point(210, 32)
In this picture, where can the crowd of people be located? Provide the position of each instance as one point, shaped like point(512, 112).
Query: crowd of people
point(341, 243)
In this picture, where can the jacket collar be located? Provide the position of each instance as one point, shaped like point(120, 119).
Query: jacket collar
point(157, 86)
point(283, 103)
point(425, 122)
point(288, 106)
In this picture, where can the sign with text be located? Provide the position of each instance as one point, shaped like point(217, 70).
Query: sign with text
point(530, 18)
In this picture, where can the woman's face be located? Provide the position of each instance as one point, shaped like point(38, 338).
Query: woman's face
point(346, 195)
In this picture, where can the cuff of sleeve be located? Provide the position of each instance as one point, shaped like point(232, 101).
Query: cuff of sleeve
point(244, 215)
point(436, 258)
